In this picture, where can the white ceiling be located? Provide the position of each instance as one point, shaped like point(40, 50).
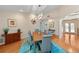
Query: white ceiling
point(29, 8)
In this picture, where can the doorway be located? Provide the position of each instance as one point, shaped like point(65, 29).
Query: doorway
point(70, 31)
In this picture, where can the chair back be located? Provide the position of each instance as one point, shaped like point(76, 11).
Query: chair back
point(46, 44)
point(30, 39)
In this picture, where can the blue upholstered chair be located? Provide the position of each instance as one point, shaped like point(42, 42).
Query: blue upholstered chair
point(33, 47)
point(46, 45)
point(28, 46)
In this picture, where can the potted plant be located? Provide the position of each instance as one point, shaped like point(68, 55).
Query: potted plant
point(6, 30)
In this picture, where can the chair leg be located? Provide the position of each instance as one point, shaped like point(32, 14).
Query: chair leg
point(30, 47)
point(39, 46)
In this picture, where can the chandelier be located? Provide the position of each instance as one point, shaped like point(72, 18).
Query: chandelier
point(34, 17)
point(37, 13)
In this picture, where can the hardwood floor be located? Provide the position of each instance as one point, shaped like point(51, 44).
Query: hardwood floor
point(67, 47)
point(10, 48)
point(73, 40)
point(14, 47)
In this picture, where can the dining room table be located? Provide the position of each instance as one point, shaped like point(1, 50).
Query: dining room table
point(42, 40)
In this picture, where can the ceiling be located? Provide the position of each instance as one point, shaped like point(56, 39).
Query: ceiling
point(28, 8)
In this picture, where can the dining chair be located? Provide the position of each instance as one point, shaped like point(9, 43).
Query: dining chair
point(31, 42)
point(46, 45)
point(28, 45)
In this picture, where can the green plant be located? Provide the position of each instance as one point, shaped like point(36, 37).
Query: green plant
point(6, 30)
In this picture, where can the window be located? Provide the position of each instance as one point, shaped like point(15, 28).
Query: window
point(66, 27)
point(72, 27)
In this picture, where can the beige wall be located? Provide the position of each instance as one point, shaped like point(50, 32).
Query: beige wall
point(23, 20)
point(65, 15)
point(60, 13)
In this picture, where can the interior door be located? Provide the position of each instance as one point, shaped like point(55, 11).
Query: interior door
point(66, 27)
point(73, 33)
point(69, 32)
point(66, 32)
point(72, 27)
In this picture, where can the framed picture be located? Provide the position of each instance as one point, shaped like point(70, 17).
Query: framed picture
point(51, 24)
point(11, 22)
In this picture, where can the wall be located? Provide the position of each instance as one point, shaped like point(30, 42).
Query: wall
point(66, 13)
point(59, 15)
point(22, 22)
